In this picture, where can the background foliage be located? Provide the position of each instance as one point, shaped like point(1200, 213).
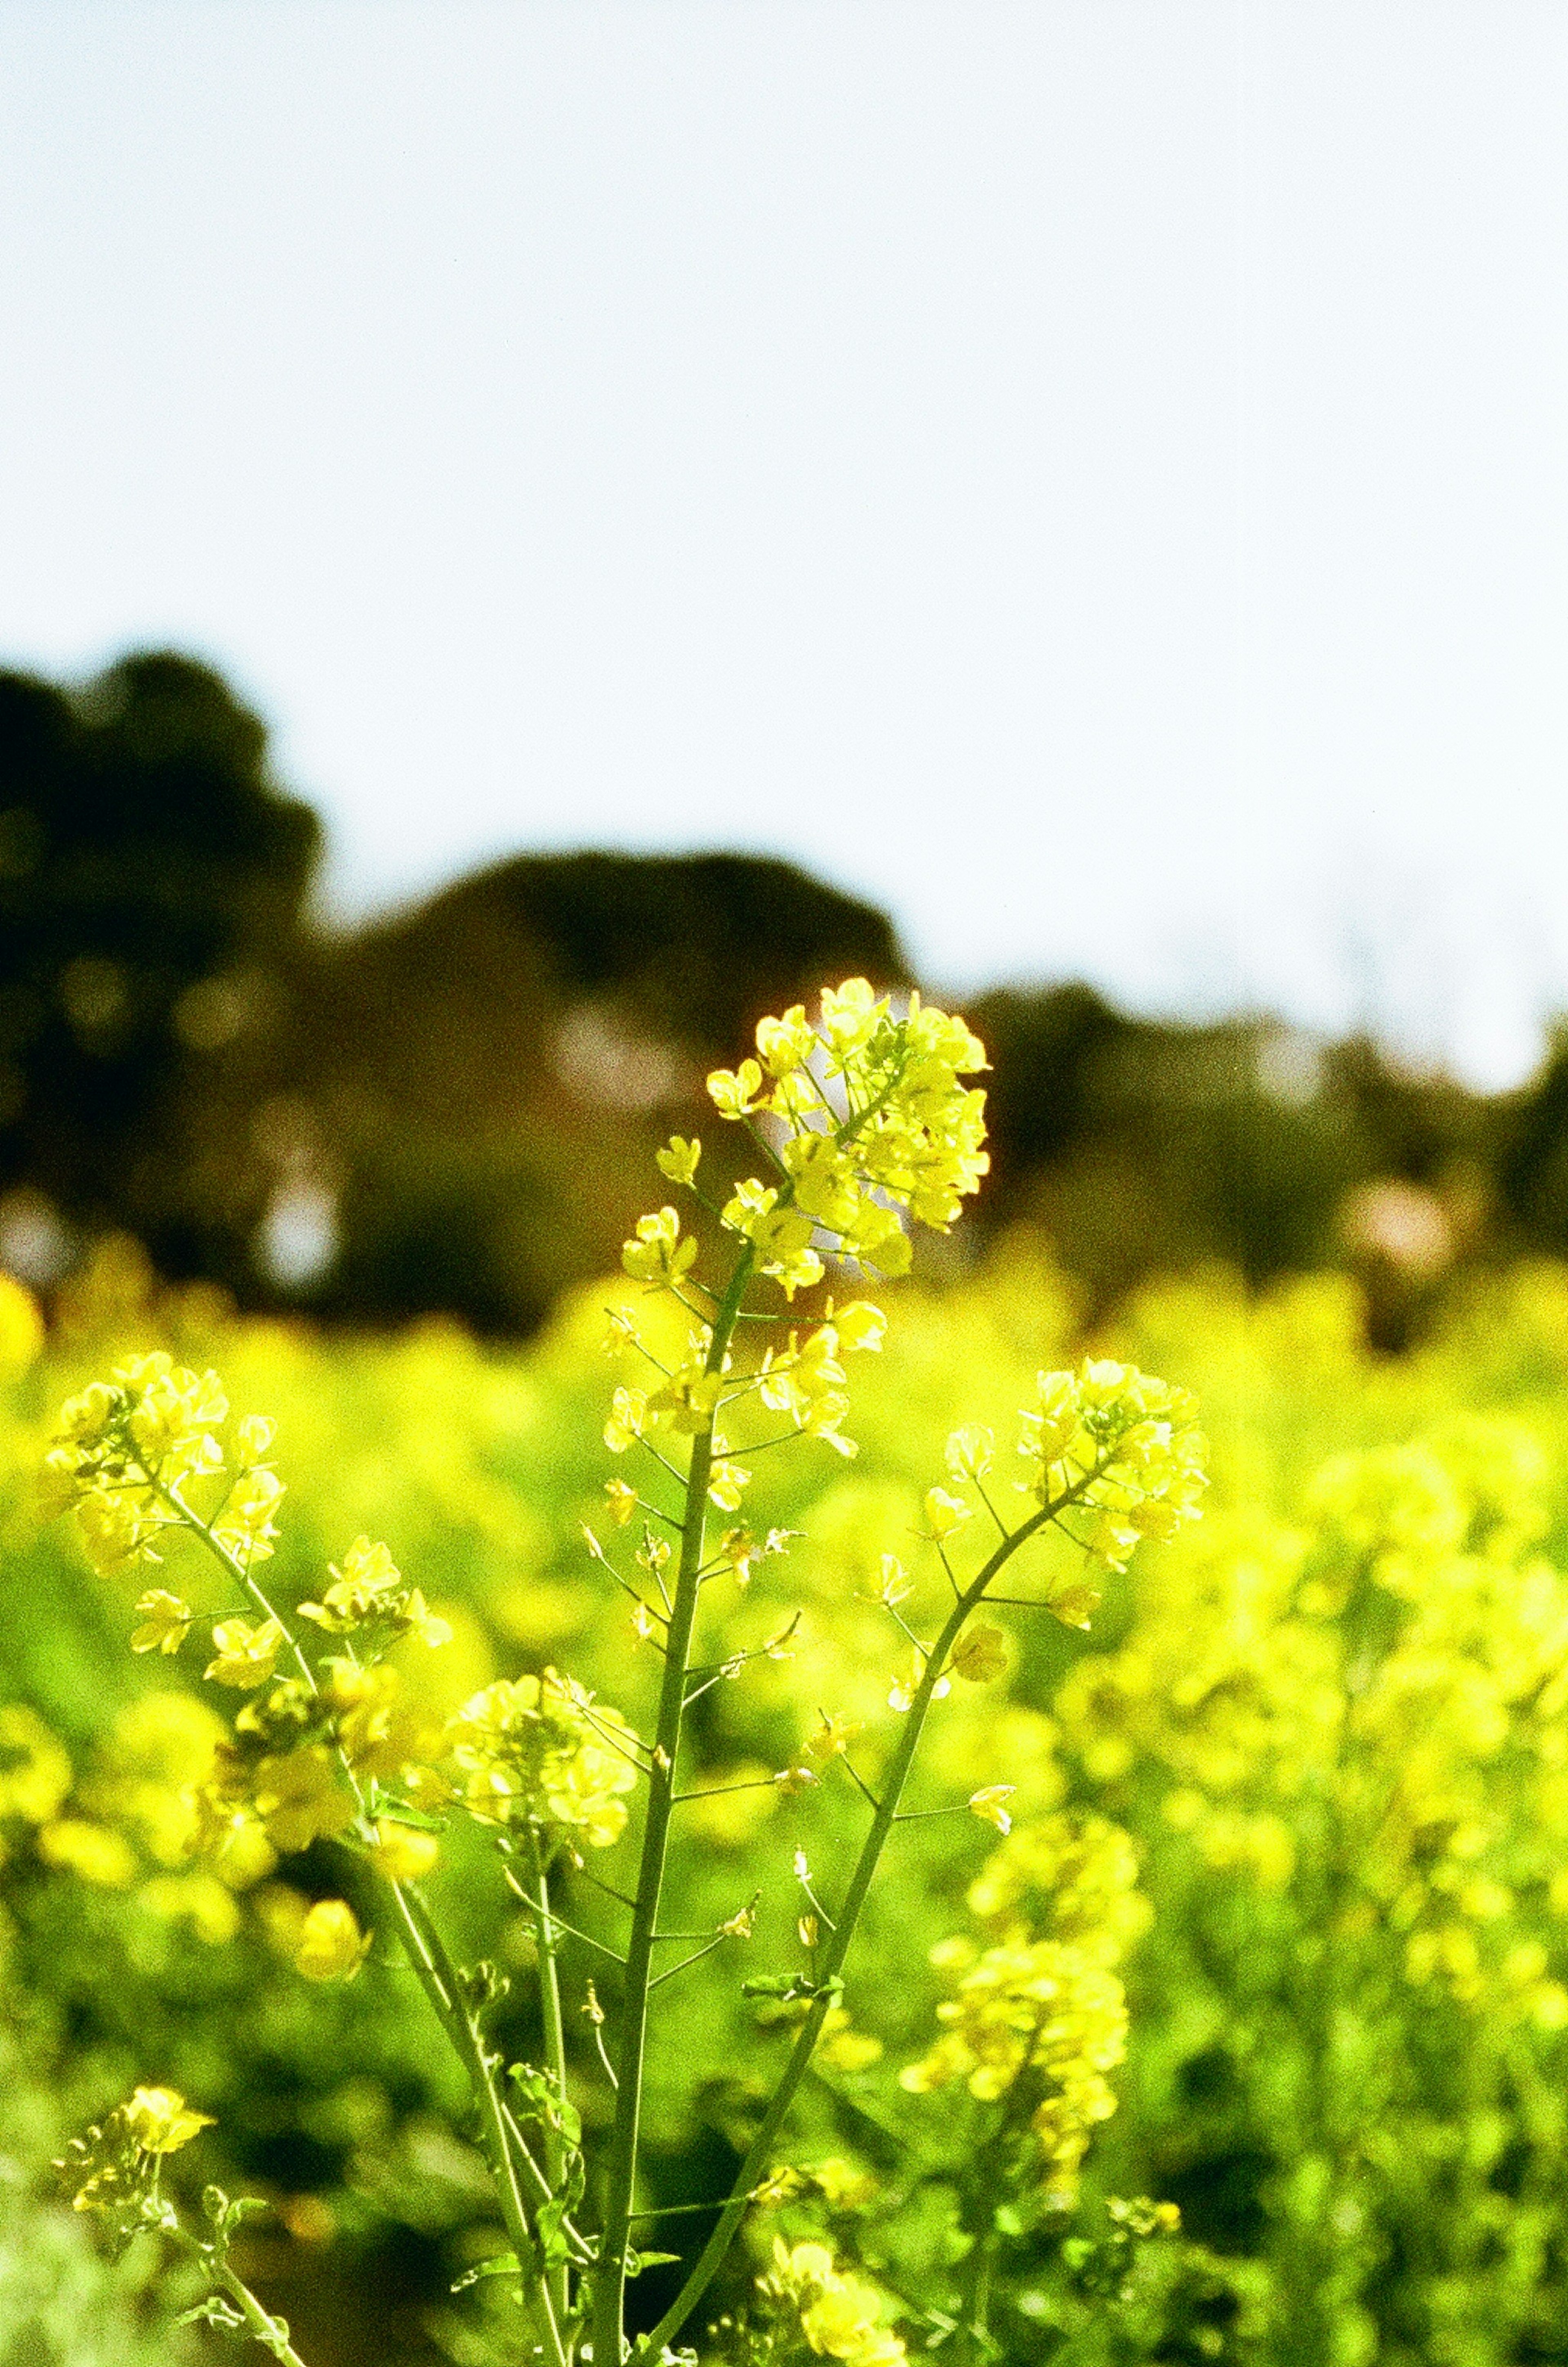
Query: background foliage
point(1332, 1724)
point(452, 1110)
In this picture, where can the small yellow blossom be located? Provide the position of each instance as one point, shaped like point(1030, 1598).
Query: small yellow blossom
point(990, 1802)
point(166, 1622)
point(786, 1043)
point(245, 1656)
point(331, 1945)
point(734, 1091)
point(970, 1451)
point(726, 1484)
point(628, 1419)
point(657, 1255)
point(622, 1500)
point(861, 1327)
point(402, 1852)
point(979, 1655)
point(679, 1160)
point(944, 1514)
point(161, 2122)
point(902, 1696)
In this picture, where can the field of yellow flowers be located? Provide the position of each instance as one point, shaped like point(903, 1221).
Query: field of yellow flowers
point(1281, 1830)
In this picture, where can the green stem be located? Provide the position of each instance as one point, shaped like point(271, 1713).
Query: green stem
point(443, 1986)
point(554, 2041)
point(238, 1573)
point(266, 2328)
point(271, 2332)
point(831, 1961)
point(427, 1952)
point(621, 2169)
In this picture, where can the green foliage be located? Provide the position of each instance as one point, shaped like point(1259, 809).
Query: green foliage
point(149, 880)
point(1328, 1724)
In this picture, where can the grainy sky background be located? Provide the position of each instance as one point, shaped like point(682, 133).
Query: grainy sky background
point(1093, 477)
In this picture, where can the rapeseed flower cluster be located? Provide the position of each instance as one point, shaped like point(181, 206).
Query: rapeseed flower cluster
point(1034, 2016)
point(1399, 1657)
point(369, 1593)
point(541, 1750)
point(1039, 2019)
point(1124, 1445)
point(126, 1451)
point(840, 2316)
point(872, 1120)
point(112, 2171)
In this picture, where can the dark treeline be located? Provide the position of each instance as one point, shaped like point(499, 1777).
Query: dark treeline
point(453, 1110)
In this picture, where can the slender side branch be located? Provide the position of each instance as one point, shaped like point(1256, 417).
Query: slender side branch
point(553, 2147)
point(271, 2332)
point(610, 2283)
point(444, 1991)
point(837, 1947)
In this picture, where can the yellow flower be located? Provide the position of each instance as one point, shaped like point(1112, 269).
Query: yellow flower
point(944, 1514)
point(628, 1418)
point(95, 1853)
point(166, 1622)
point(623, 1502)
point(657, 1255)
point(733, 1091)
point(542, 1748)
point(979, 1655)
point(253, 1437)
point(300, 1799)
point(35, 1770)
point(990, 1802)
point(415, 1617)
point(364, 1587)
point(402, 1852)
point(679, 1161)
point(969, 1451)
point(247, 1656)
point(245, 1525)
point(331, 1945)
point(160, 2121)
point(902, 1697)
point(860, 1326)
point(726, 1484)
point(839, 2314)
point(118, 1529)
point(786, 1043)
point(831, 1737)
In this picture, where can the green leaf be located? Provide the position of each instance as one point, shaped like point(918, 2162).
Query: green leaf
point(500, 2264)
point(214, 2311)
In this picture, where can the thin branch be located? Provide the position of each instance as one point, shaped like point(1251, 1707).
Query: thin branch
point(980, 1491)
point(676, 2210)
point(560, 1921)
point(718, 1791)
point(608, 1889)
point(852, 1771)
point(671, 1971)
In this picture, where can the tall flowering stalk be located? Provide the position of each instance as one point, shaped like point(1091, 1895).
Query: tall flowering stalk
point(864, 1125)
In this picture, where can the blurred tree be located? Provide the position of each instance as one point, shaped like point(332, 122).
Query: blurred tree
point(151, 877)
point(486, 1077)
point(452, 1110)
point(1532, 1178)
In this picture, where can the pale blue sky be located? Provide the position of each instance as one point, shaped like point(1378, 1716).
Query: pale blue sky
point(1092, 477)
